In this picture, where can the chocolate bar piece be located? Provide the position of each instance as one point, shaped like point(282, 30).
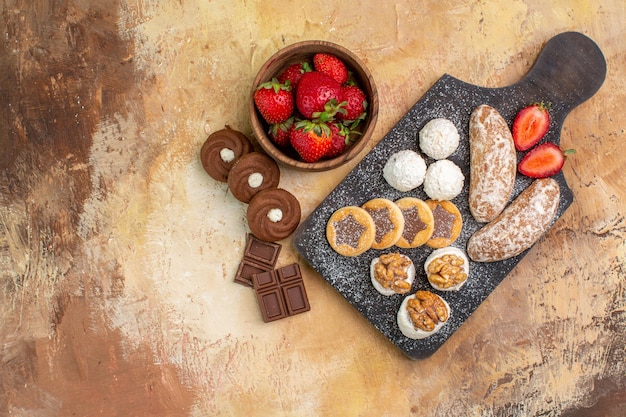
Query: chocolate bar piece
point(259, 256)
point(272, 305)
point(296, 299)
point(247, 269)
point(281, 292)
point(262, 252)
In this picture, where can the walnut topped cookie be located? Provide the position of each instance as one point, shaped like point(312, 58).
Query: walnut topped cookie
point(422, 314)
point(392, 273)
point(350, 231)
point(447, 268)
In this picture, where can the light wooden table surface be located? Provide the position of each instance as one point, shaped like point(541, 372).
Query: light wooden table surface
point(118, 252)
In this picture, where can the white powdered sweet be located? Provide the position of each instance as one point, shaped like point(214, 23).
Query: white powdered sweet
point(443, 180)
point(405, 170)
point(439, 138)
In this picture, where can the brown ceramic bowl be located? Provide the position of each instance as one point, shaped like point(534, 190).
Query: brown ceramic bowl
point(299, 52)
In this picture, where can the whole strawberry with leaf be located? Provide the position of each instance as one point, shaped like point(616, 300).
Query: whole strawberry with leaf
point(340, 139)
point(315, 89)
point(274, 101)
point(280, 132)
point(293, 73)
point(353, 103)
point(311, 139)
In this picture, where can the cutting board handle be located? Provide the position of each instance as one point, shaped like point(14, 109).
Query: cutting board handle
point(569, 69)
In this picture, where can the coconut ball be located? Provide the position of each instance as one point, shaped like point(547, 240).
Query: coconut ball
point(405, 170)
point(443, 180)
point(439, 138)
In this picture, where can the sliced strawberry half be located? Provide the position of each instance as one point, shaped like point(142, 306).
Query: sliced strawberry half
point(543, 161)
point(530, 125)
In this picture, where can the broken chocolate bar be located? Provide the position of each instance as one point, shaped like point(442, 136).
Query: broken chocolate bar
point(281, 292)
point(259, 256)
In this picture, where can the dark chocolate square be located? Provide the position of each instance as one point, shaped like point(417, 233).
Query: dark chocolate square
point(272, 304)
point(259, 256)
point(289, 273)
point(262, 252)
point(281, 290)
point(296, 298)
point(247, 269)
point(264, 280)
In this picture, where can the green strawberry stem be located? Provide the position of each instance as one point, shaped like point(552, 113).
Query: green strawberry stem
point(331, 108)
point(275, 85)
point(319, 127)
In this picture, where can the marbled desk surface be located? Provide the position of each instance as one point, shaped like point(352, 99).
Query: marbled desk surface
point(118, 252)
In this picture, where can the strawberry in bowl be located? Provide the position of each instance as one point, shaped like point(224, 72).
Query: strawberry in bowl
point(334, 95)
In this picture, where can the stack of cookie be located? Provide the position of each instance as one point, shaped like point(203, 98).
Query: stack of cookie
point(252, 177)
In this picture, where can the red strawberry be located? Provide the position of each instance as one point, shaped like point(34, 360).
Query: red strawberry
point(530, 125)
point(274, 101)
point(293, 73)
point(340, 138)
point(331, 65)
point(355, 103)
point(314, 90)
point(311, 140)
point(279, 132)
point(543, 161)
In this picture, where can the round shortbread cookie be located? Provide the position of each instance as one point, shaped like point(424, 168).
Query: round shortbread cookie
point(388, 219)
point(448, 223)
point(418, 222)
point(429, 303)
point(350, 231)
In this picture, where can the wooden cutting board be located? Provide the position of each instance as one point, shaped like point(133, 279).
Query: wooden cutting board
point(568, 71)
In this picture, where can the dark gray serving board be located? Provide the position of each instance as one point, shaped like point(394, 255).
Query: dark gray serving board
point(568, 71)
